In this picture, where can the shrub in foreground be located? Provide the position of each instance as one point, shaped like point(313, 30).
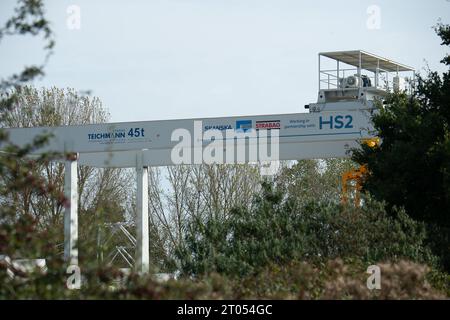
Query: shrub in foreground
point(334, 279)
point(277, 230)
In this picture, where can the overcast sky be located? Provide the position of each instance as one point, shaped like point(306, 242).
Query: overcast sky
point(150, 60)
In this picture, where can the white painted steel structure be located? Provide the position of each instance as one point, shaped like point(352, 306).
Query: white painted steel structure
point(333, 126)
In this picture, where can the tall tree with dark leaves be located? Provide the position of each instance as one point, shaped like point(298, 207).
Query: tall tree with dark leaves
point(411, 167)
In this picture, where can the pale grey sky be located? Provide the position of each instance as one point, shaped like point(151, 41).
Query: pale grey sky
point(158, 59)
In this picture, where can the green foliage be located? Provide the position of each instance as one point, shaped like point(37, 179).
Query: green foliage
point(103, 193)
point(16, 176)
point(334, 279)
point(279, 230)
point(411, 168)
point(318, 180)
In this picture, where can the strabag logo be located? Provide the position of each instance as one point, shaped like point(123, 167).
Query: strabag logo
point(268, 124)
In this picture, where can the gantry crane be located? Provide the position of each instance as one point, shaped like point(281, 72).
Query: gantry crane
point(350, 83)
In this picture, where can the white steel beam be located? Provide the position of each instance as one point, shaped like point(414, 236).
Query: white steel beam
point(71, 210)
point(142, 261)
point(109, 138)
point(288, 151)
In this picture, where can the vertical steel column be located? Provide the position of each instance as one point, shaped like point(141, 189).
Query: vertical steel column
point(319, 70)
point(142, 261)
point(71, 211)
point(337, 74)
point(377, 74)
point(359, 69)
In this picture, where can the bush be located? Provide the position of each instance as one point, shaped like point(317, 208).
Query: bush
point(332, 279)
point(278, 230)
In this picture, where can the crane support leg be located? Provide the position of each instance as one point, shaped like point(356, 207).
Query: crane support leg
point(142, 232)
point(71, 210)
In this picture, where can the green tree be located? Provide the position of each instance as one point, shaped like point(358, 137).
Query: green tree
point(103, 193)
point(31, 190)
point(411, 167)
point(28, 19)
point(318, 180)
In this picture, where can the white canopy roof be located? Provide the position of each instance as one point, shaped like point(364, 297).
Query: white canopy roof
point(369, 61)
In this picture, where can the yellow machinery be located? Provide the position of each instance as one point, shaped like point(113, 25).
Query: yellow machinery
point(356, 176)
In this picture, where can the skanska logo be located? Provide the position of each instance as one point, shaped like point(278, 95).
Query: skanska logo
point(241, 125)
point(220, 127)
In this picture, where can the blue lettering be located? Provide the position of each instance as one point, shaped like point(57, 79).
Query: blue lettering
point(338, 122)
point(349, 123)
point(321, 122)
point(219, 127)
